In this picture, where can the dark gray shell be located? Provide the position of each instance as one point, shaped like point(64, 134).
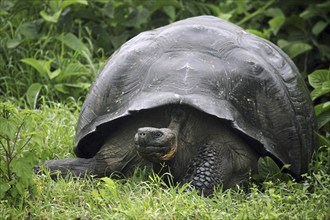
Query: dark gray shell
point(216, 67)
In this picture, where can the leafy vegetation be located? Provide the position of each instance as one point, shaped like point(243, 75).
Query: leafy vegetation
point(17, 163)
point(50, 52)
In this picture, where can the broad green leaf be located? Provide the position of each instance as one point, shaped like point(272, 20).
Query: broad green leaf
point(20, 188)
point(12, 43)
point(320, 108)
point(170, 12)
point(4, 187)
point(275, 12)
point(78, 85)
point(68, 75)
point(55, 5)
point(71, 70)
point(325, 5)
point(61, 88)
point(283, 43)
point(66, 3)
point(109, 181)
point(54, 74)
point(51, 18)
point(317, 92)
point(3, 13)
point(8, 128)
point(30, 30)
point(276, 23)
point(23, 166)
point(296, 48)
point(32, 94)
point(111, 186)
point(315, 10)
point(308, 13)
point(323, 119)
point(241, 6)
point(215, 9)
point(42, 66)
point(323, 141)
point(225, 16)
point(13, 191)
point(318, 77)
point(95, 194)
point(258, 33)
point(319, 27)
point(66, 88)
point(71, 41)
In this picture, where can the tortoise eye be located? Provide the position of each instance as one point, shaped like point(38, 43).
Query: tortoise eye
point(157, 134)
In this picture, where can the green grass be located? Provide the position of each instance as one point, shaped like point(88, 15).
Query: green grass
point(145, 196)
point(141, 199)
point(47, 64)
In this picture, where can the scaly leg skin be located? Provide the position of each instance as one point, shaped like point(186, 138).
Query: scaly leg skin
point(219, 165)
point(77, 167)
point(109, 160)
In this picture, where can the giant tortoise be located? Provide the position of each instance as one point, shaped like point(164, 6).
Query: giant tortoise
point(200, 97)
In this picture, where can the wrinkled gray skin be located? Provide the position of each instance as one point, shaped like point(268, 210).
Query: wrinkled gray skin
point(208, 152)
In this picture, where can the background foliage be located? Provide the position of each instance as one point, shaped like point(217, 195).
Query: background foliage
point(61, 44)
point(51, 50)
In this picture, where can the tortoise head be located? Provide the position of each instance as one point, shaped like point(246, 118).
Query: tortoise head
point(156, 144)
point(160, 144)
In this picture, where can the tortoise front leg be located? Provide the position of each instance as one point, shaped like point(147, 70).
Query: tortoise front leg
point(77, 167)
point(219, 165)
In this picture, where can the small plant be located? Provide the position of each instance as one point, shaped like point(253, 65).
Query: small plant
point(320, 81)
point(16, 164)
point(39, 56)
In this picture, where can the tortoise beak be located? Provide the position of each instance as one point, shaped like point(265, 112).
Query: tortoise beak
point(152, 143)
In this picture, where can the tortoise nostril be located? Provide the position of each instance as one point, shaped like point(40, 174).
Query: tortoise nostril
point(142, 134)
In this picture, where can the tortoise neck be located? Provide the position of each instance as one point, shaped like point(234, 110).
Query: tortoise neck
point(178, 117)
